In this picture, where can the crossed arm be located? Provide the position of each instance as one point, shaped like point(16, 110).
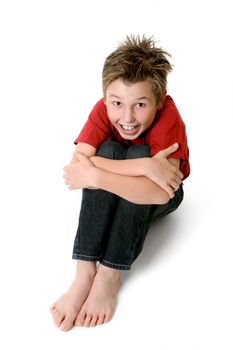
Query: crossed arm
point(141, 181)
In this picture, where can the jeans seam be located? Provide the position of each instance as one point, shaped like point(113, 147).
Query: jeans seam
point(115, 265)
point(138, 238)
point(96, 258)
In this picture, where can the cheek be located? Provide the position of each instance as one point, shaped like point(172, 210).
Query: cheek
point(146, 120)
point(113, 115)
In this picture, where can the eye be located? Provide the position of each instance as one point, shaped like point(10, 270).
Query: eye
point(116, 103)
point(140, 104)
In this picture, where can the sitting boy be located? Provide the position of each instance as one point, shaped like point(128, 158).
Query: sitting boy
point(130, 160)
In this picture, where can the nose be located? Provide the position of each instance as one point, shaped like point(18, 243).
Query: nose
point(128, 116)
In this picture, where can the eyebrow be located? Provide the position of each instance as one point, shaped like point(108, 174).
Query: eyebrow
point(137, 99)
point(112, 95)
point(142, 98)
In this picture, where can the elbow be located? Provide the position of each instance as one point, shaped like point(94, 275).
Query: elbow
point(161, 198)
point(165, 199)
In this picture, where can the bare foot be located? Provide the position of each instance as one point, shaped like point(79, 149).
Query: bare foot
point(67, 308)
point(101, 301)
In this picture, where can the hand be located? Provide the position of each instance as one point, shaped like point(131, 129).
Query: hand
point(161, 171)
point(79, 174)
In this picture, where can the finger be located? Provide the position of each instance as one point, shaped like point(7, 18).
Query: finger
point(177, 179)
point(174, 185)
point(169, 190)
point(171, 193)
point(171, 149)
point(167, 151)
point(180, 174)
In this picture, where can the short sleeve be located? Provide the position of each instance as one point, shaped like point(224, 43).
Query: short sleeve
point(169, 128)
point(97, 128)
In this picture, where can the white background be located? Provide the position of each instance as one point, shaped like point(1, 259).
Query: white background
point(179, 293)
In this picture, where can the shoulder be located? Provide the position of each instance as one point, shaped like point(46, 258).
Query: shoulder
point(99, 107)
point(167, 122)
point(168, 106)
point(99, 114)
point(169, 113)
point(97, 128)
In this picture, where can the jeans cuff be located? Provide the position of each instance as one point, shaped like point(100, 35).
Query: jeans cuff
point(115, 266)
point(85, 257)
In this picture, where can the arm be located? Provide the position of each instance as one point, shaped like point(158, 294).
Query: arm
point(139, 190)
point(130, 167)
point(161, 170)
point(84, 148)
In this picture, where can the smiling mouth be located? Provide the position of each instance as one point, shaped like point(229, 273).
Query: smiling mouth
point(129, 130)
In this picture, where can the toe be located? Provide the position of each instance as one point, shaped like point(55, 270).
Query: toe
point(67, 324)
point(80, 319)
point(107, 317)
point(100, 320)
point(52, 308)
point(58, 318)
point(53, 311)
point(87, 321)
point(93, 322)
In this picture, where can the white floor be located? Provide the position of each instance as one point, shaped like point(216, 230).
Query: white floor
point(177, 296)
point(179, 292)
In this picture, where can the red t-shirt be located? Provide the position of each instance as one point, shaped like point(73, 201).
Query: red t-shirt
point(166, 129)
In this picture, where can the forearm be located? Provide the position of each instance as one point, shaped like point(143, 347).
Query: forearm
point(142, 180)
point(136, 189)
point(130, 167)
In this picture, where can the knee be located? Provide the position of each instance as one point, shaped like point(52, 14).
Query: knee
point(111, 150)
point(138, 151)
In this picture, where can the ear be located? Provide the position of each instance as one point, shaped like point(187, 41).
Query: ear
point(161, 102)
point(104, 94)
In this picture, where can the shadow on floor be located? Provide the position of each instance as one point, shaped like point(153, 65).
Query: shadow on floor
point(159, 238)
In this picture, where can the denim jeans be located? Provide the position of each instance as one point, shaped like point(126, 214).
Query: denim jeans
point(112, 230)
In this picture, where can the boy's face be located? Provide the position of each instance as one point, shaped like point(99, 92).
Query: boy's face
point(131, 107)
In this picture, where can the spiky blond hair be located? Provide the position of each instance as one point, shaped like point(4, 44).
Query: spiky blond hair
point(137, 59)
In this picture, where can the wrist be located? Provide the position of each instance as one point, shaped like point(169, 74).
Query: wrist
point(148, 166)
point(139, 166)
point(94, 176)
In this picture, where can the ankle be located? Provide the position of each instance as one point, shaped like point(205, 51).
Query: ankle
point(85, 267)
point(108, 272)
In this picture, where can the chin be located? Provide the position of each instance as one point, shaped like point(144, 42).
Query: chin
point(130, 137)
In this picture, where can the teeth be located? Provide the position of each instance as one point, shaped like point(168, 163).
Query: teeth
point(129, 128)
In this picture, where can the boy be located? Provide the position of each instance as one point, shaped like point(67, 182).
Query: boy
point(130, 160)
